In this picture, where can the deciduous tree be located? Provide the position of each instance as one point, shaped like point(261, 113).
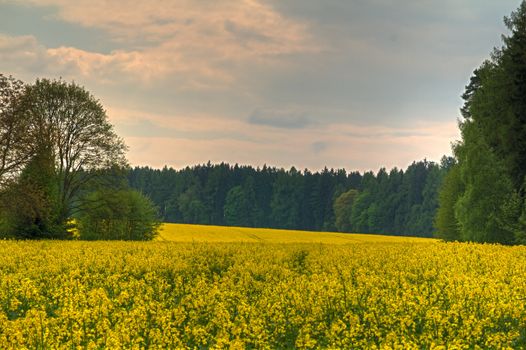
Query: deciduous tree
point(68, 120)
point(16, 146)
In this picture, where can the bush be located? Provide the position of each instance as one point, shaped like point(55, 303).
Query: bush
point(117, 215)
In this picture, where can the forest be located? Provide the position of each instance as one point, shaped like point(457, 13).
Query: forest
point(396, 202)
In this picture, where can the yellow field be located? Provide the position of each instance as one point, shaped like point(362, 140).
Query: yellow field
point(204, 233)
point(390, 294)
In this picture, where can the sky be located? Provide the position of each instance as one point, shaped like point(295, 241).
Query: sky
point(355, 84)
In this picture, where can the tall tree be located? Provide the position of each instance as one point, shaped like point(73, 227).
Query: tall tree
point(286, 200)
point(270, 197)
point(16, 145)
point(446, 222)
point(492, 154)
point(480, 208)
point(68, 120)
point(241, 206)
point(343, 210)
point(30, 203)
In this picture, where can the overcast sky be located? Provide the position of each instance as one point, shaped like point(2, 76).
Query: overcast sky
point(359, 84)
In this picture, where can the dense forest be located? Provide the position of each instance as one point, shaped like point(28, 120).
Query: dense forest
point(483, 197)
point(395, 202)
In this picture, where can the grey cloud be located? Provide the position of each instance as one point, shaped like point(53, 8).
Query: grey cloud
point(389, 133)
point(41, 22)
point(244, 34)
point(146, 128)
point(280, 119)
point(23, 54)
point(435, 49)
point(319, 146)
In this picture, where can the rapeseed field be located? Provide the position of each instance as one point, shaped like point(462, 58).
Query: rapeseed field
point(392, 294)
point(224, 234)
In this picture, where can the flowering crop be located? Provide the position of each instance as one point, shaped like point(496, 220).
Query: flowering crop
point(159, 295)
point(225, 234)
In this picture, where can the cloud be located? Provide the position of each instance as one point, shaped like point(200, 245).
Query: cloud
point(345, 85)
point(181, 140)
point(286, 119)
point(145, 124)
point(194, 43)
point(318, 147)
point(395, 133)
point(23, 52)
point(282, 149)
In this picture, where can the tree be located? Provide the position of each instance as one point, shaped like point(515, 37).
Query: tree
point(360, 211)
point(31, 202)
point(192, 208)
point(343, 210)
point(15, 143)
point(241, 207)
point(117, 215)
point(286, 200)
point(446, 223)
point(486, 195)
point(68, 120)
point(238, 208)
point(480, 208)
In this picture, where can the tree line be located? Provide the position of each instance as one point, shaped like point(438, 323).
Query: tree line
point(395, 202)
point(64, 174)
point(483, 196)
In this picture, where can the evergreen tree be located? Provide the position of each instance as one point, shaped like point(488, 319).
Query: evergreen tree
point(492, 154)
point(480, 208)
point(343, 210)
point(286, 200)
point(238, 208)
point(446, 223)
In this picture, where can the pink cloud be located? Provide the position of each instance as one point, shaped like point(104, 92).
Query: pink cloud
point(193, 41)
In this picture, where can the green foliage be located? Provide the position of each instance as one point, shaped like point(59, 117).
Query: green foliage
point(236, 208)
point(286, 200)
point(241, 205)
point(55, 139)
point(117, 215)
point(192, 207)
point(31, 204)
point(67, 119)
point(16, 145)
point(485, 194)
point(479, 209)
point(398, 202)
point(199, 194)
point(343, 210)
point(360, 211)
point(446, 222)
